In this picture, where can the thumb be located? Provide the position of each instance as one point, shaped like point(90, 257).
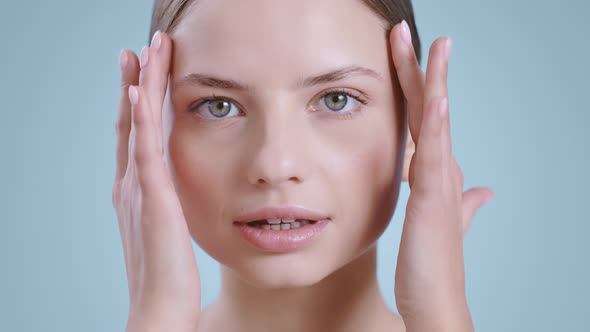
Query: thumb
point(473, 200)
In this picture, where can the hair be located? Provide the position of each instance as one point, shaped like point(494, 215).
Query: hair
point(168, 13)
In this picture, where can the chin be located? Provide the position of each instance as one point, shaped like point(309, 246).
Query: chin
point(293, 270)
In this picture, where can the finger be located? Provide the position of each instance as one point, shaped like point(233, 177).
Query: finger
point(435, 88)
point(153, 78)
point(429, 176)
point(448, 160)
point(147, 160)
point(410, 75)
point(473, 200)
point(437, 70)
point(129, 76)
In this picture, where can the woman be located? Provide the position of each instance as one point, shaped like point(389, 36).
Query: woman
point(275, 134)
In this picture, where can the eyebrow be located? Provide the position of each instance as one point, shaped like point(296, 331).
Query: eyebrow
point(229, 84)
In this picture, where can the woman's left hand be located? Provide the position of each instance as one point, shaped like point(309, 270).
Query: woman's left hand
point(430, 277)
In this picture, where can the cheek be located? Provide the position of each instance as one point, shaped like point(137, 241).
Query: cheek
point(200, 180)
point(362, 152)
point(369, 178)
point(361, 163)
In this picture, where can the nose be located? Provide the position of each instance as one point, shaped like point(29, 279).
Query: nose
point(279, 155)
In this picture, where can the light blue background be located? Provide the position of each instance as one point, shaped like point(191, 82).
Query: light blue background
point(519, 82)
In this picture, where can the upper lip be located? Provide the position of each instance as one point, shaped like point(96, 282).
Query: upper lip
point(284, 212)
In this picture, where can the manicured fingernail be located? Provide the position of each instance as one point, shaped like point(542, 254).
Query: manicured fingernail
point(157, 40)
point(133, 96)
point(143, 58)
point(443, 107)
point(123, 58)
point(406, 36)
point(448, 46)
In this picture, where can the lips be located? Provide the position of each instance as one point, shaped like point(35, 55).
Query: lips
point(280, 241)
point(281, 229)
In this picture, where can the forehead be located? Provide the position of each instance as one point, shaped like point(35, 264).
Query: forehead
point(278, 39)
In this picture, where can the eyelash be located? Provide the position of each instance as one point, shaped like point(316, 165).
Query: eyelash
point(347, 115)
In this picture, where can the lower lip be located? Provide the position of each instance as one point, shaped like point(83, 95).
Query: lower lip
point(282, 240)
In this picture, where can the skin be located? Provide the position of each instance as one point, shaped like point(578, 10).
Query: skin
point(183, 174)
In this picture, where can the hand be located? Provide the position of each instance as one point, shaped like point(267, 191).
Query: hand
point(430, 277)
point(162, 274)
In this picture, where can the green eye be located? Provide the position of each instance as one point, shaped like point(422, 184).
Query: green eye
point(219, 107)
point(336, 101)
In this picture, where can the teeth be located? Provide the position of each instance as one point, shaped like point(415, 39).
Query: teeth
point(278, 224)
point(279, 220)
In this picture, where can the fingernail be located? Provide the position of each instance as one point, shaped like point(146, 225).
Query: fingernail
point(443, 107)
point(406, 36)
point(448, 46)
point(143, 58)
point(157, 40)
point(123, 59)
point(133, 96)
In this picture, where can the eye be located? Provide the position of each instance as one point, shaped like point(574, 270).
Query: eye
point(342, 102)
point(215, 108)
point(336, 102)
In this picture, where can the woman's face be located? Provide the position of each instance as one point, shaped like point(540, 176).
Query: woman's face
point(276, 141)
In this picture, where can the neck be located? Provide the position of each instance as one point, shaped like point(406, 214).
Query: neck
point(347, 300)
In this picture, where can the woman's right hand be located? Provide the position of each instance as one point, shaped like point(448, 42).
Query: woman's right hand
point(162, 274)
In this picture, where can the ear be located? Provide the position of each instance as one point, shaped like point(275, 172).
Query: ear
point(409, 152)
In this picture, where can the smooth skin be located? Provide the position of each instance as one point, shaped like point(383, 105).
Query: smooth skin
point(162, 273)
